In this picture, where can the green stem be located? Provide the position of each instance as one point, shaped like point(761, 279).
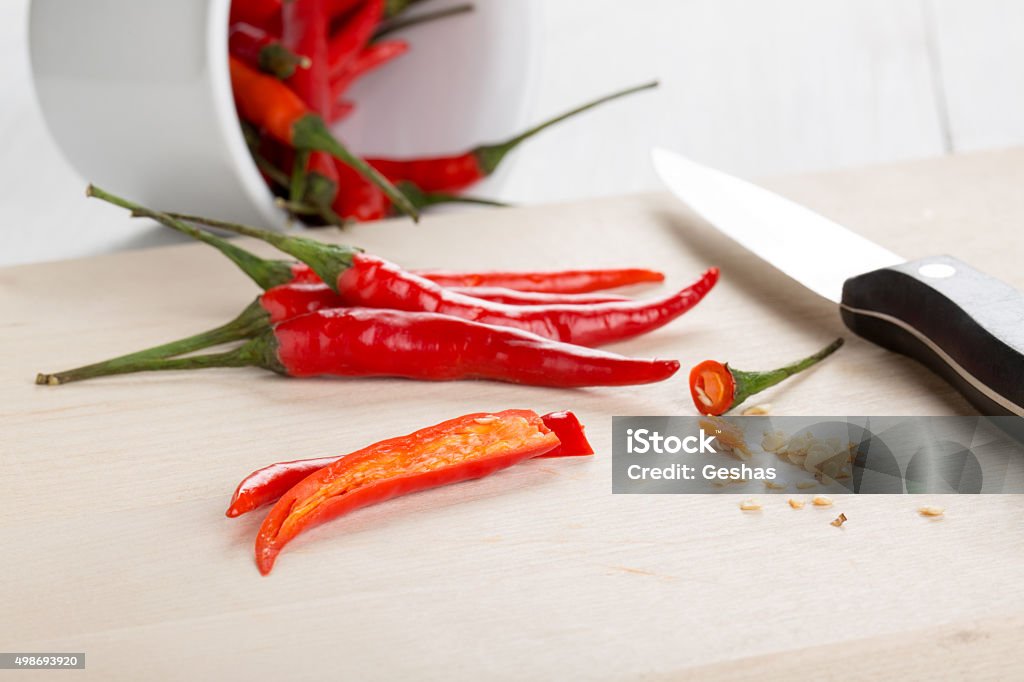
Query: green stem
point(408, 22)
point(258, 352)
point(749, 383)
point(265, 272)
point(327, 260)
point(310, 132)
point(423, 199)
point(491, 155)
point(279, 61)
point(252, 321)
point(392, 8)
point(297, 185)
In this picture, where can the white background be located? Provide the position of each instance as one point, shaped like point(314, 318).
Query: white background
point(756, 87)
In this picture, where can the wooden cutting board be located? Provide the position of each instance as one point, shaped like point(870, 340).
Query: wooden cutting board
point(115, 544)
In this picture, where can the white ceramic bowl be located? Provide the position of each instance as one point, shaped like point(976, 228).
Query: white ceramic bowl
point(137, 95)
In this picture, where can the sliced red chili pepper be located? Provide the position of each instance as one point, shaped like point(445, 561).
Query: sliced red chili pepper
point(257, 48)
point(266, 485)
point(271, 105)
point(364, 342)
point(560, 282)
point(462, 449)
point(456, 173)
point(717, 388)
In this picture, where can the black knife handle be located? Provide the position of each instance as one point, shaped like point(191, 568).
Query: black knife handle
point(964, 325)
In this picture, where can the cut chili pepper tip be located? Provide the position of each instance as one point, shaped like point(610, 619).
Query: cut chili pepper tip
point(716, 388)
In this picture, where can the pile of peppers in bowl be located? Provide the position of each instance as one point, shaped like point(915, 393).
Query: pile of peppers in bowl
point(292, 63)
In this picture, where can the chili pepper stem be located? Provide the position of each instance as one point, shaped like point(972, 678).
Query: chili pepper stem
point(423, 199)
point(265, 272)
point(327, 260)
point(749, 383)
point(401, 24)
point(279, 61)
point(393, 8)
point(253, 320)
point(310, 132)
point(490, 156)
point(297, 182)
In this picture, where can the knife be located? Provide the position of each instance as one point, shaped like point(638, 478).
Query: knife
point(964, 325)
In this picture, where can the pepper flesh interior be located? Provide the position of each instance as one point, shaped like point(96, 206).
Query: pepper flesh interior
point(484, 437)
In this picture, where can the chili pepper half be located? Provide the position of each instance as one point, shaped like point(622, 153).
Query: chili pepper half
point(257, 48)
point(461, 449)
point(364, 342)
point(559, 282)
point(266, 485)
point(271, 105)
point(717, 388)
point(455, 173)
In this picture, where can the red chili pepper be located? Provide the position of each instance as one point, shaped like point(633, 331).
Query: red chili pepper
point(363, 342)
point(716, 388)
point(461, 449)
point(259, 13)
point(455, 173)
point(350, 39)
point(270, 273)
point(304, 30)
point(257, 48)
point(266, 485)
point(337, 8)
point(559, 282)
point(372, 57)
point(375, 283)
point(340, 111)
point(271, 105)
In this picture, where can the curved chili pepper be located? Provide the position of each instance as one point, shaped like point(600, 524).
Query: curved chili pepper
point(350, 39)
point(461, 449)
point(271, 105)
point(363, 342)
point(372, 57)
point(257, 48)
point(560, 282)
point(375, 283)
point(267, 484)
point(455, 173)
point(717, 388)
point(337, 8)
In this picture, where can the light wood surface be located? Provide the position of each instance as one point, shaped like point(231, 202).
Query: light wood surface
point(115, 544)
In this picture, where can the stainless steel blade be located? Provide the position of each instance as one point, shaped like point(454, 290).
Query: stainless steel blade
point(813, 250)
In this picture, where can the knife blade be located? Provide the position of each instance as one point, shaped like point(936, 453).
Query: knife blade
point(966, 326)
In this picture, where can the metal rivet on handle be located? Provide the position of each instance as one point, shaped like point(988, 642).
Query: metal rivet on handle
point(937, 270)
